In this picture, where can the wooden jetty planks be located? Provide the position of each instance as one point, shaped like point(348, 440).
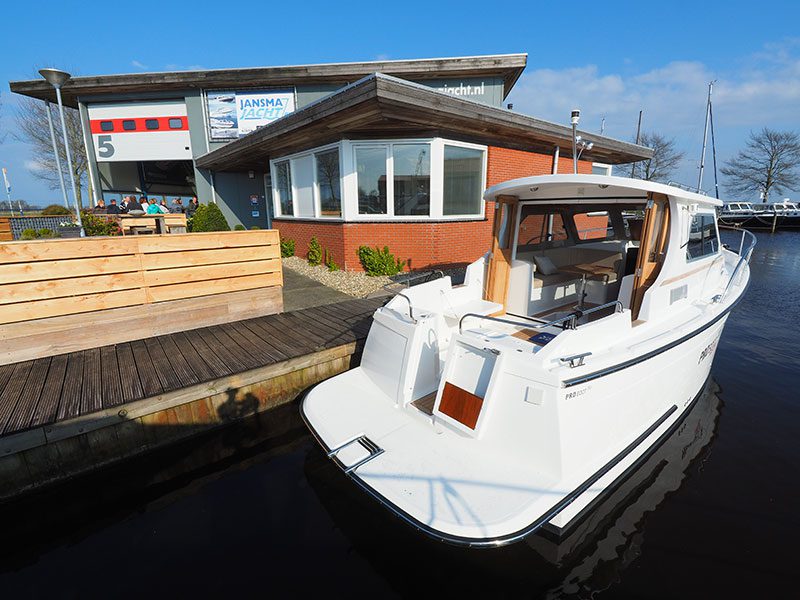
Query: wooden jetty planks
point(25, 408)
point(128, 373)
point(12, 391)
point(36, 393)
point(47, 408)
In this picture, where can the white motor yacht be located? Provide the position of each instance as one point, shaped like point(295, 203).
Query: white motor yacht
point(482, 412)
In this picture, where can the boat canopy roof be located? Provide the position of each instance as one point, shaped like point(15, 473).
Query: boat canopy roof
point(590, 187)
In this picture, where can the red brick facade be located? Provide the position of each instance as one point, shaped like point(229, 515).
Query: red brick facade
point(427, 244)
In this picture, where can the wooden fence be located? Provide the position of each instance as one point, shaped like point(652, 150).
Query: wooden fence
point(156, 281)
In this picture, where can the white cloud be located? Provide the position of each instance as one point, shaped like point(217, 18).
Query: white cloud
point(754, 91)
point(32, 165)
point(138, 65)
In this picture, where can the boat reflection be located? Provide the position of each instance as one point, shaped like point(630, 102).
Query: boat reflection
point(588, 557)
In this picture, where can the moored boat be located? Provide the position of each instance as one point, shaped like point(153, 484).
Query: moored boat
point(482, 412)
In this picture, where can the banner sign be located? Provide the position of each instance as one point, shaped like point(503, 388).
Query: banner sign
point(234, 114)
point(145, 130)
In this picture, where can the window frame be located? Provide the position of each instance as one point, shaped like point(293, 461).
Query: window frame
point(290, 159)
point(348, 184)
point(714, 254)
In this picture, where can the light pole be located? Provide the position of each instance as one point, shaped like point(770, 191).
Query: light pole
point(55, 151)
point(57, 78)
point(576, 116)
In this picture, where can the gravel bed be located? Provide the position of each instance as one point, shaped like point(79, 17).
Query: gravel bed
point(353, 283)
point(356, 283)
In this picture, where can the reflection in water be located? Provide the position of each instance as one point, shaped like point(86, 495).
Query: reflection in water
point(588, 557)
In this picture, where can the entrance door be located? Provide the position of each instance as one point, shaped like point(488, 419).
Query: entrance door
point(651, 249)
point(497, 275)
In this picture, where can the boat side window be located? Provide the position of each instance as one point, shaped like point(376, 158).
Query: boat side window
point(593, 226)
point(540, 228)
point(703, 240)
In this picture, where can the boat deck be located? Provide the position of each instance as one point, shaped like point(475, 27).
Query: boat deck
point(45, 391)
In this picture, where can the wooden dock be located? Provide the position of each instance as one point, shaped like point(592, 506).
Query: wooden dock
point(74, 412)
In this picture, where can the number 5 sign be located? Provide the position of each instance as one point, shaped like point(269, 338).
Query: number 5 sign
point(138, 131)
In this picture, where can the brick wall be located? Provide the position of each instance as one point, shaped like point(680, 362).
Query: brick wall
point(424, 245)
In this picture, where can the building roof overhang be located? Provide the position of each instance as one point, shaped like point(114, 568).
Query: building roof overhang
point(507, 66)
point(381, 106)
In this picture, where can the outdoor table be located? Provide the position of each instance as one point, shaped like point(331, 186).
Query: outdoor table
point(158, 221)
point(586, 270)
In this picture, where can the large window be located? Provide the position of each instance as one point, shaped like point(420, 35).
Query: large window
point(703, 239)
point(283, 188)
point(412, 179)
point(371, 178)
point(328, 184)
point(463, 181)
point(381, 180)
point(303, 180)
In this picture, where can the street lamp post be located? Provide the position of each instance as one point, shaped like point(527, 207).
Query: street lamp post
point(55, 151)
point(57, 78)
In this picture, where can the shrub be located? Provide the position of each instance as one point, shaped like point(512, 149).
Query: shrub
point(254, 227)
point(239, 227)
point(46, 233)
point(208, 217)
point(189, 224)
point(314, 254)
point(379, 262)
point(332, 266)
point(95, 225)
point(28, 234)
point(55, 210)
point(287, 247)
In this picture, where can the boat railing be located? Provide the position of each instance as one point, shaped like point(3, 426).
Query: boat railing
point(570, 321)
point(407, 281)
point(744, 258)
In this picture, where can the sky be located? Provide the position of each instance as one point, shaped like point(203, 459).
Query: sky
point(611, 60)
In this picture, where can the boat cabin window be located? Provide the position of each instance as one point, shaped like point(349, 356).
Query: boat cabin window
point(703, 240)
point(594, 225)
point(541, 228)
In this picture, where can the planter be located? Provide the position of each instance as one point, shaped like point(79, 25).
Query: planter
point(69, 232)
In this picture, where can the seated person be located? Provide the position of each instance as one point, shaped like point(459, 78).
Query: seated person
point(100, 207)
point(177, 206)
point(112, 208)
point(153, 209)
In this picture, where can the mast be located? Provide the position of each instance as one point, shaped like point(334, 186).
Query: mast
point(705, 138)
point(713, 149)
point(638, 135)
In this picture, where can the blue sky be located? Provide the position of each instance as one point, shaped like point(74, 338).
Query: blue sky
point(609, 59)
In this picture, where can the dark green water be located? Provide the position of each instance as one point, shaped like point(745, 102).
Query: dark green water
point(256, 510)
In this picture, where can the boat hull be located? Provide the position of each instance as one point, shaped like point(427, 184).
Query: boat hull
point(643, 397)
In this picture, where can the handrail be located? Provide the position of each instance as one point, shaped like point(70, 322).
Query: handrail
point(572, 317)
point(408, 280)
point(744, 257)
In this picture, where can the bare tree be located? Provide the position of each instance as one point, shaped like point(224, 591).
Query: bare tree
point(32, 128)
point(664, 161)
point(769, 162)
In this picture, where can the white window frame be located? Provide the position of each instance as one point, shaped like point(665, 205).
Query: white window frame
point(484, 170)
point(348, 181)
point(290, 158)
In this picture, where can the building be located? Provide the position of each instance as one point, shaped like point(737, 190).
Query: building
point(389, 153)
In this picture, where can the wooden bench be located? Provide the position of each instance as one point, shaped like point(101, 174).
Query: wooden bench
point(64, 295)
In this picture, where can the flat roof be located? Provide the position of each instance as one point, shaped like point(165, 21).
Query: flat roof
point(384, 106)
point(507, 66)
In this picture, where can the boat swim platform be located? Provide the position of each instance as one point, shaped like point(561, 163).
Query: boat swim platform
point(73, 413)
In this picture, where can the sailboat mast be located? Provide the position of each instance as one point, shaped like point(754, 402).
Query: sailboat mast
point(705, 139)
point(713, 149)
